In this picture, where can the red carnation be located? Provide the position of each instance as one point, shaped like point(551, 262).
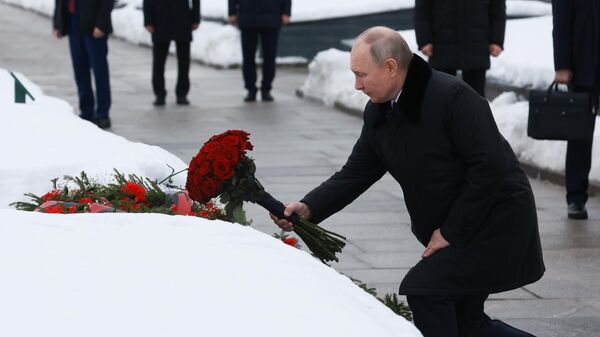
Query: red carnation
point(55, 209)
point(290, 241)
point(135, 190)
point(51, 195)
point(85, 201)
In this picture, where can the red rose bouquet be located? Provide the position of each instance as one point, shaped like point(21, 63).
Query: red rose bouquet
point(222, 169)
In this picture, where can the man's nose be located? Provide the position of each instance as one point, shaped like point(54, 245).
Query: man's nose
point(358, 84)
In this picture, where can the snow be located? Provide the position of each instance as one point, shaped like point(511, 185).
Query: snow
point(119, 274)
point(44, 139)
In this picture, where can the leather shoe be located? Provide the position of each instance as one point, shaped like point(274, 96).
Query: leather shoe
point(250, 97)
point(102, 123)
point(266, 97)
point(159, 101)
point(182, 101)
point(577, 211)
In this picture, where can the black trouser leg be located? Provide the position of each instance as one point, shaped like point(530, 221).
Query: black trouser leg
point(476, 79)
point(183, 68)
point(160, 50)
point(249, 44)
point(457, 316)
point(579, 162)
point(268, 40)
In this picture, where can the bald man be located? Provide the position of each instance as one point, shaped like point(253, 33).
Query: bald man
point(470, 203)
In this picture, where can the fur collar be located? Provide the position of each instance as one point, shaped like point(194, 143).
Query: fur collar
point(411, 99)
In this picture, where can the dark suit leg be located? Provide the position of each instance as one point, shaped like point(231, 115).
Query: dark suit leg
point(475, 78)
point(249, 43)
point(97, 49)
point(160, 50)
point(183, 68)
point(578, 164)
point(81, 70)
point(434, 316)
point(268, 39)
point(448, 71)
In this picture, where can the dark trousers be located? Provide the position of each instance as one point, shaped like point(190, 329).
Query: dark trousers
point(89, 52)
point(268, 42)
point(457, 316)
point(475, 78)
point(160, 51)
point(579, 161)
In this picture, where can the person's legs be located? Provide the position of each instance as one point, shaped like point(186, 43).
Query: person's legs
point(160, 50)
point(183, 69)
point(448, 71)
point(249, 43)
point(475, 78)
point(434, 316)
point(81, 71)
point(97, 49)
point(578, 163)
point(473, 322)
point(268, 39)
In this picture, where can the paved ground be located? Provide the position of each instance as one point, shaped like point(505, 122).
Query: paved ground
point(298, 144)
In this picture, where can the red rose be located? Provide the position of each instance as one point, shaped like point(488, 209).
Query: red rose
point(210, 187)
point(231, 142)
point(210, 150)
point(232, 155)
point(222, 169)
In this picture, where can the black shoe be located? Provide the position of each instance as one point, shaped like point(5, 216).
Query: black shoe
point(159, 101)
point(87, 118)
point(250, 97)
point(577, 211)
point(266, 97)
point(102, 123)
point(182, 101)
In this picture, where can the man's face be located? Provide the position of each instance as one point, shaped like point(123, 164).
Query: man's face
point(372, 79)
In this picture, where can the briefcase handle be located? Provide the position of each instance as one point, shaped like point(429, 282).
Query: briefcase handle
point(555, 86)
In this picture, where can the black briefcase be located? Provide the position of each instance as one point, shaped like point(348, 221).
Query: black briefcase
point(560, 115)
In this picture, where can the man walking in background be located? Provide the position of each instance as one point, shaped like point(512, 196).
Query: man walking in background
point(461, 35)
point(88, 23)
point(259, 18)
point(576, 37)
point(171, 20)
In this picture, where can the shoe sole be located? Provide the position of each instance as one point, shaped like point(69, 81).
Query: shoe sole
point(583, 216)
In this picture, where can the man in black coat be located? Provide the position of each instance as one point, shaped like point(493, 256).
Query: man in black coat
point(461, 34)
point(259, 18)
point(470, 203)
point(87, 23)
point(171, 20)
point(576, 36)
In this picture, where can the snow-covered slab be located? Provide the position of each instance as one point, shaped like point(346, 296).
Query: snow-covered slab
point(159, 275)
point(43, 139)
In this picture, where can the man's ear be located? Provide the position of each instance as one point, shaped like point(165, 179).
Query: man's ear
point(391, 66)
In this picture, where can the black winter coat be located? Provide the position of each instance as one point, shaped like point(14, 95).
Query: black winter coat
point(260, 13)
point(576, 36)
point(92, 13)
point(460, 31)
point(457, 174)
point(172, 19)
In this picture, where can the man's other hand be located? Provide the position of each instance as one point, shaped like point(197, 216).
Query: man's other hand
point(285, 20)
point(57, 34)
point(233, 19)
point(195, 26)
point(436, 243)
point(150, 29)
point(495, 50)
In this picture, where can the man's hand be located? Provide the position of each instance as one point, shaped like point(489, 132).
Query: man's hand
point(427, 50)
point(98, 33)
point(195, 26)
point(285, 19)
point(233, 19)
point(57, 34)
point(495, 50)
point(299, 208)
point(150, 29)
point(436, 243)
point(563, 76)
